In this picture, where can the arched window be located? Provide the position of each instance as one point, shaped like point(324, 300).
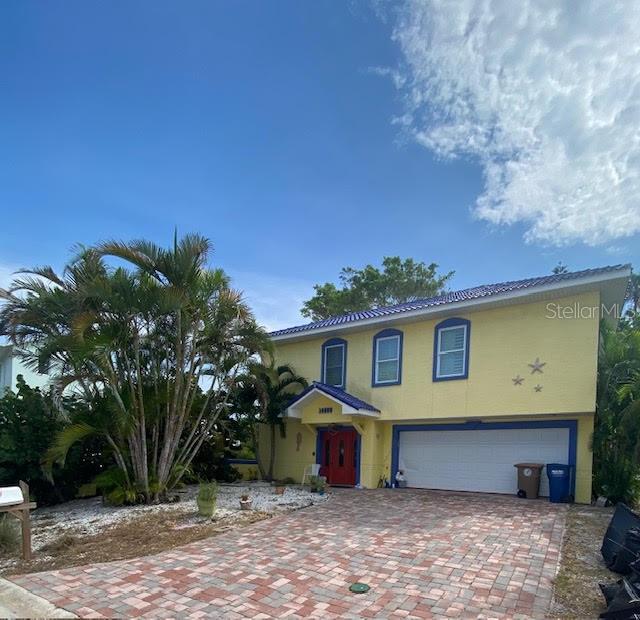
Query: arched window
point(387, 358)
point(451, 349)
point(334, 362)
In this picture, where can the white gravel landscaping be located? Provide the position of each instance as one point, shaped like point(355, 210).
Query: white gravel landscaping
point(86, 517)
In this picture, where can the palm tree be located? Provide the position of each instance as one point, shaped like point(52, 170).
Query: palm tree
point(158, 343)
point(264, 394)
point(634, 295)
point(616, 437)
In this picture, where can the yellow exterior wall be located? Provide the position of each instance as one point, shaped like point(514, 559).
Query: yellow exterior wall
point(503, 342)
point(292, 456)
point(584, 459)
point(376, 443)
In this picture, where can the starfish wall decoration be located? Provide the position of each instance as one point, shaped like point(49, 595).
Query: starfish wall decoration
point(538, 388)
point(517, 380)
point(537, 366)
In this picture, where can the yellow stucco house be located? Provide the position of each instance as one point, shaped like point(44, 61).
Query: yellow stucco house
point(452, 390)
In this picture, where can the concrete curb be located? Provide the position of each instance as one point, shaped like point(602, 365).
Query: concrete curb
point(17, 602)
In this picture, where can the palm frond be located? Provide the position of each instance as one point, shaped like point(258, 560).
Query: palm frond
point(62, 443)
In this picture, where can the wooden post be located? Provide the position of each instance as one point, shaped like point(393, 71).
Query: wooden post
point(25, 522)
point(23, 513)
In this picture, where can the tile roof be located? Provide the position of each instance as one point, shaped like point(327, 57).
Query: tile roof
point(341, 395)
point(469, 294)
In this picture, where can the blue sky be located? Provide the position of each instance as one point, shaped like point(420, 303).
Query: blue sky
point(287, 132)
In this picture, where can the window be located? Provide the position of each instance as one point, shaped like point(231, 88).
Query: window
point(451, 350)
point(334, 362)
point(387, 357)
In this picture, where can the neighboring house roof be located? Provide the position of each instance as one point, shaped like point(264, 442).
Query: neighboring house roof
point(476, 293)
point(351, 401)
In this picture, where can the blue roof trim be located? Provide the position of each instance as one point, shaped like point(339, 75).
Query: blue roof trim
point(469, 294)
point(337, 393)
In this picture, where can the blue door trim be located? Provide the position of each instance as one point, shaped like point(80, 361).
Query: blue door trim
point(572, 425)
point(321, 430)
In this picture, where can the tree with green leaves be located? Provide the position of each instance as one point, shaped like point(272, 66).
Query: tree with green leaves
point(560, 268)
point(634, 296)
point(261, 400)
point(29, 419)
point(616, 437)
point(154, 346)
point(399, 281)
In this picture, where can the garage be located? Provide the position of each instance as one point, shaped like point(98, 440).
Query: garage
point(479, 458)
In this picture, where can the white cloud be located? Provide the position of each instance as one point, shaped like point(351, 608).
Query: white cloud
point(546, 94)
point(276, 301)
point(397, 77)
point(6, 275)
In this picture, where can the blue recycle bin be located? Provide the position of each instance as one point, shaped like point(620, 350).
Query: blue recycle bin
point(559, 482)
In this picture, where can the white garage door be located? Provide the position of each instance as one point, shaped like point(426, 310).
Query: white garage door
point(478, 460)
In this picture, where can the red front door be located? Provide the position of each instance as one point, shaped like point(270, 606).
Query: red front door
point(339, 456)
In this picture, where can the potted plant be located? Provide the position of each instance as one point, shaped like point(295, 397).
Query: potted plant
point(206, 499)
point(322, 485)
point(313, 483)
point(280, 488)
point(245, 502)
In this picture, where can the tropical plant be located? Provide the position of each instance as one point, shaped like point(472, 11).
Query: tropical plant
point(210, 463)
point(27, 423)
point(117, 488)
point(263, 395)
point(634, 296)
point(399, 281)
point(154, 347)
point(208, 491)
point(206, 499)
point(616, 437)
point(29, 419)
point(321, 484)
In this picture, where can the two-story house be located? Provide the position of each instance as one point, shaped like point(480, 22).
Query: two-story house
point(452, 390)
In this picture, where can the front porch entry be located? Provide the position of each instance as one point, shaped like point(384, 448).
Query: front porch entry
point(338, 453)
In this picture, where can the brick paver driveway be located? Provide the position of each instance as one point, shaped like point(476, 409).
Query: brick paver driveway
point(424, 554)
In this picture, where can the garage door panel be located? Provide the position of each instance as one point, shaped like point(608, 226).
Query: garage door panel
point(478, 460)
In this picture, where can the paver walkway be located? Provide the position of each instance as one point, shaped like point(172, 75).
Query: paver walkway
point(424, 554)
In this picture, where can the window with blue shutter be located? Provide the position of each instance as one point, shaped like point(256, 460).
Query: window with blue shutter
point(451, 350)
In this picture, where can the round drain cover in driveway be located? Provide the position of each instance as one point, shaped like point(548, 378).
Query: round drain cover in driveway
point(359, 588)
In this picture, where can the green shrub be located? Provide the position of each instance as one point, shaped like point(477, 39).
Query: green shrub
point(28, 421)
point(210, 463)
point(9, 534)
point(87, 490)
point(618, 479)
point(116, 489)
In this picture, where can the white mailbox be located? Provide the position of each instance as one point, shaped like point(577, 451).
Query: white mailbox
point(10, 496)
